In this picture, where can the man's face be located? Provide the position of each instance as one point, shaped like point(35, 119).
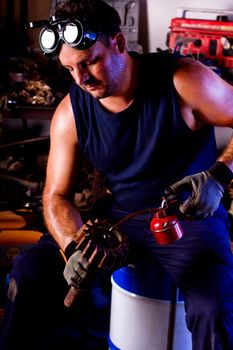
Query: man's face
point(97, 70)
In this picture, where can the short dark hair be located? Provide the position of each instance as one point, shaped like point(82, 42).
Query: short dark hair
point(96, 15)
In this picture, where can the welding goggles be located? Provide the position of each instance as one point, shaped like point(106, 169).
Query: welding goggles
point(69, 31)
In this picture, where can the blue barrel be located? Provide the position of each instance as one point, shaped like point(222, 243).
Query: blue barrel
point(147, 311)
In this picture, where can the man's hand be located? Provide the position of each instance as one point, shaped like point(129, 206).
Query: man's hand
point(206, 194)
point(76, 270)
point(206, 189)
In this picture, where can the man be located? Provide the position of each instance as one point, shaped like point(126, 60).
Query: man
point(146, 122)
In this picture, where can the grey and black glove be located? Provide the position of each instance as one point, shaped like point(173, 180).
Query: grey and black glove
point(206, 188)
point(76, 270)
point(78, 275)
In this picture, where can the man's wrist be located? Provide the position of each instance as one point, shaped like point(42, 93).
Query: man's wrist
point(220, 172)
point(70, 249)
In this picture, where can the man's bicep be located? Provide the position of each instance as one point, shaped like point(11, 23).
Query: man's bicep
point(64, 157)
point(62, 169)
point(205, 93)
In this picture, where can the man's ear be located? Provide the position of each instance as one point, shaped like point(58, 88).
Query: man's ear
point(120, 42)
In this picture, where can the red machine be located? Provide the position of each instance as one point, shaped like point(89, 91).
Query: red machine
point(209, 38)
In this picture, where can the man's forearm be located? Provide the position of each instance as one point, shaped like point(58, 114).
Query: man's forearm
point(62, 218)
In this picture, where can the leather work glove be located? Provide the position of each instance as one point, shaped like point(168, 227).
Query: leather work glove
point(78, 276)
point(76, 270)
point(206, 188)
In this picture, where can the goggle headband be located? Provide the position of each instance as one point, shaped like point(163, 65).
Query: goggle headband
point(70, 31)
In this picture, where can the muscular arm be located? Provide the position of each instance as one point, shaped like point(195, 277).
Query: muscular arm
point(61, 216)
point(205, 98)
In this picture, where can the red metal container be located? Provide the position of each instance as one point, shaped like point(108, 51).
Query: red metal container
point(165, 227)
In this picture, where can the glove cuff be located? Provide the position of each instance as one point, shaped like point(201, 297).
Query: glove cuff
point(220, 172)
point(70, 249)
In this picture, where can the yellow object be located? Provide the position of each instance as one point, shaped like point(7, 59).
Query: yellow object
point(10, 220)
point(12, 242)
point(18, 237)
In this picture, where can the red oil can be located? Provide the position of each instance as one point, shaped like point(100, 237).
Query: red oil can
point(165, 227)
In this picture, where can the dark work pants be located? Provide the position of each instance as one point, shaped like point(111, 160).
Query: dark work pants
point(200, 263)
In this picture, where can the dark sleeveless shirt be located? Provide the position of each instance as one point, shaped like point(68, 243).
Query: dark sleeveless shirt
point(148, 146)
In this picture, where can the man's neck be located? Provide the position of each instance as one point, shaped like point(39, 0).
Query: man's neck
point(122, 100)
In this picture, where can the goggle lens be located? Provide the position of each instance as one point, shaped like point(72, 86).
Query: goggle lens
point(71, 34)
point(47, 39)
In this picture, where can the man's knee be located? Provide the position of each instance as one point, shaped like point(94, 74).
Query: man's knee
point(36, 270)
point(202, 311)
